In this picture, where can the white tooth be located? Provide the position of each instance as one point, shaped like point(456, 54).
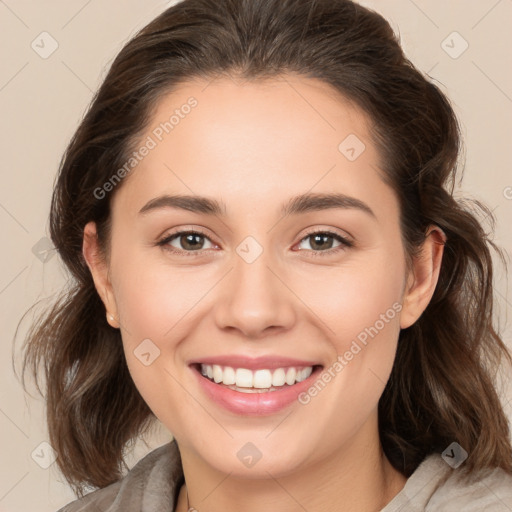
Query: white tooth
point(303, 374)
point(228, 376)
point(259, 379)
point(279, 377)
point(262, 379)
point(290, 376)
point(217, 373)
point(307, 372)
point(243, 378)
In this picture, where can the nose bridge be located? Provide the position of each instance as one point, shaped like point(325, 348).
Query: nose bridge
point(253, 298)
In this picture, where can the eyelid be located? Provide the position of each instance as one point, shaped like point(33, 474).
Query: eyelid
point(183, 230)
point(346, 242)
point(346, 237)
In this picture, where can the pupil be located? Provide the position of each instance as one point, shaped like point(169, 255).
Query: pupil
point(190, 239)
point(321, 238)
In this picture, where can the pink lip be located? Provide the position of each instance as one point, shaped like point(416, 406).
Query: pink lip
point(254, 363)
point(254, 404)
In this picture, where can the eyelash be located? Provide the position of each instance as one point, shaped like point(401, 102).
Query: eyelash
point(345, 243)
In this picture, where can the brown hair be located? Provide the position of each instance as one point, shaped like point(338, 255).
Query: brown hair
point(442, 386)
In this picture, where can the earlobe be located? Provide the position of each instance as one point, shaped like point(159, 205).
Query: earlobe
point(423, 277)
point(99, 271)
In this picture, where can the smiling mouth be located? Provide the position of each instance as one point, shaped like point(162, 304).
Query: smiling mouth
point(263, 380)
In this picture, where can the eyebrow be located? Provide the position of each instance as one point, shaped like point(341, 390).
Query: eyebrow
point(296, 205)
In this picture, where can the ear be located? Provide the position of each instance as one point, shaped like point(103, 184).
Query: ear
point(100, 274)
point(422, 279)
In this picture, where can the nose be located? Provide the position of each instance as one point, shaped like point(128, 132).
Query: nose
point(254, 300)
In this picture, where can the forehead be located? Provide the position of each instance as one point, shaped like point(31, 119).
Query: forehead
point(262, 139)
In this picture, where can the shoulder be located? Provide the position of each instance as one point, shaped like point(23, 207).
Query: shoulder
point(487, 491)
point(436, 487)
point(152, 484)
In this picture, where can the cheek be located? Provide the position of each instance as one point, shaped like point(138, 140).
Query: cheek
point(155, 300)
point(156, 314)
point(363, 332)
point(361, 304)
point(158, 307)
point(371, 306)
point(359, 293)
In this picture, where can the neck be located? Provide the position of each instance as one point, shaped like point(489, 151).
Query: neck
point(357, 478)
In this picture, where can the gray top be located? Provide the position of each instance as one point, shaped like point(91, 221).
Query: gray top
point(153, 485)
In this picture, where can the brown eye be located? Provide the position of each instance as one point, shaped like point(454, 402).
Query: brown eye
point(186, 241)
point(325, 241)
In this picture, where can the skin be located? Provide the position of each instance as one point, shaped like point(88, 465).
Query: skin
point(254, 145)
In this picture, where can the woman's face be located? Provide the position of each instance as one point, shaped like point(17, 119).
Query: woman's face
point(282, 160)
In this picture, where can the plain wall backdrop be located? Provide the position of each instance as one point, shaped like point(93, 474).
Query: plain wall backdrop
point(54, 55)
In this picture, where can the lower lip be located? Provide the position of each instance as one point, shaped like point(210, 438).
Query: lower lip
point(254, 404)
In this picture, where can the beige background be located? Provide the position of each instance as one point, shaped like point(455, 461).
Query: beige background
point(42, 101)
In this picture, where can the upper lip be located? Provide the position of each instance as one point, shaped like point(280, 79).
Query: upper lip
point(254, 363)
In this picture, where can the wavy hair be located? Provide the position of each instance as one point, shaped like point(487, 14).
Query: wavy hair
point(443, 383)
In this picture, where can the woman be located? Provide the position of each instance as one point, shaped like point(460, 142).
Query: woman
point(267, 258)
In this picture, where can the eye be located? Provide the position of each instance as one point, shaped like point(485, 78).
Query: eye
point(324, 242)
point(186, 242)
point(193, 242)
